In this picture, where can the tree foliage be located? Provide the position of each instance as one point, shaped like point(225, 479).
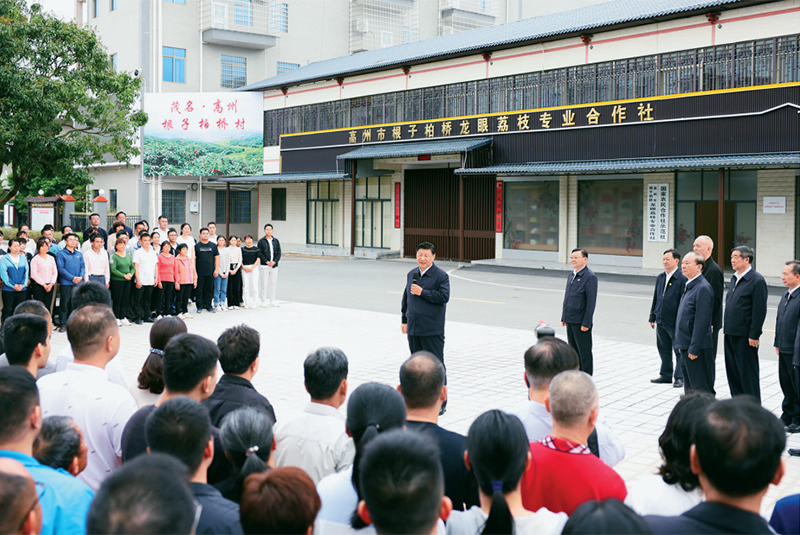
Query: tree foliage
point(62, 106)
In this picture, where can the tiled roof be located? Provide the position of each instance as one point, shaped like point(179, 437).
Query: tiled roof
point(400, 150)
point(575, 21)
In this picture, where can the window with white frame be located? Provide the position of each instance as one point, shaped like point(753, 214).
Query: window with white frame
point(234, 72)
point(278, 17)
point(286, 67)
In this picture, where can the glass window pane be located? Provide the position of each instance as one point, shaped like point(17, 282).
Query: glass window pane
point(334, 223)
point(334, 189)
point(327, 223)
point(167, 63)
point(310, 223)
point(388, 222)
point(313, 190)
point(746, 224)
point(372, 188)
point(361, 188)
point(743, 186)
point(367, 224)
point(531, 215)
point(689, 186)
point(318, 222)
point(711, 185)
point(610, 216)
point(685, 230)
point(359, 224)
point(386, 187)
point(180, 52)
point(180, 67)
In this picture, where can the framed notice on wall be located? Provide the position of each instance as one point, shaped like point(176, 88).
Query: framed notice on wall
point(41, 216)
point(658, 212)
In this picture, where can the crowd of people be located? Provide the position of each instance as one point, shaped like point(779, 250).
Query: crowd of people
point(151, 274)
point(186, 451)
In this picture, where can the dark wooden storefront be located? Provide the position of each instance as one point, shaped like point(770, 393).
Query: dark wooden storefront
point(438, 205)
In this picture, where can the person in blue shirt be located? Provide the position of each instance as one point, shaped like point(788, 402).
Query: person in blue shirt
point(14, 272)
point(64, 499)
point(71, 270)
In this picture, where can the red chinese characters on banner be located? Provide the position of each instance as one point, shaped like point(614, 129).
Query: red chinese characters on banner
point(229, 112)
point(167, 124)
point(498, 209)
point(397, 205)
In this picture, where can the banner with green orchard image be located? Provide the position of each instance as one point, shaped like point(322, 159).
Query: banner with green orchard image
point(204, 134)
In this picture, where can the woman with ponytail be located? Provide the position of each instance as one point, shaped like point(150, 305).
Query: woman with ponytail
point(497, 454)
point(372, 409)
point(246, 436)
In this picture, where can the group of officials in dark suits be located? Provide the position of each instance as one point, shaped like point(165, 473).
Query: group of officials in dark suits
point(687, 314)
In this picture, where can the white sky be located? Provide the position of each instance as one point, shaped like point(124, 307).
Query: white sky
point(64, 9)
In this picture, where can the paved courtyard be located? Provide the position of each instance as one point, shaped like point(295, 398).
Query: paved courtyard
point(485, 370)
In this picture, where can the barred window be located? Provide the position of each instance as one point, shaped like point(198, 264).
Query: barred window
point(234, 72)
point(239, 207)
point(173, 204)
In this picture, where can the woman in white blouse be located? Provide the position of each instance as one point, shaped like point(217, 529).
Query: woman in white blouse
point(186, 237)
point(675, 489)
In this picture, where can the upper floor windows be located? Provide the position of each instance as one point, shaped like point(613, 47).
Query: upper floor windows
point(174, 61)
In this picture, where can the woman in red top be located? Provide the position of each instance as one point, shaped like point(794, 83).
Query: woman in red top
point(167, 280)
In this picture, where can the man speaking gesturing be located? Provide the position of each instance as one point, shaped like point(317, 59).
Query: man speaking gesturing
point(424, 304)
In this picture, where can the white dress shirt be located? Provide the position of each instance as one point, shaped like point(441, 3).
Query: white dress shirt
point(148, 265)
point(539, 423)
point(338, 496)
point(739, 276)
point(100, 409)
point(315, 441)
point(114, 369)
point(651, 495)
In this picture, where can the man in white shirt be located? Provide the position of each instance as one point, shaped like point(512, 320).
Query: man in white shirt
point(317, 440)
point(549, 357)
point(145, 264)
point(83, 392)
point(269, 252)
point(162, 231)
point(212, 232)
point(96, 259)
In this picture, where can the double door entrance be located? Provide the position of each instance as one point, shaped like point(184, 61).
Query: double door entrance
point(455, 213)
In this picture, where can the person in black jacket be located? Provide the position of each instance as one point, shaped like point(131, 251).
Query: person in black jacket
point(713, 274)
point(269, 252)
point(424, 305)
point(577, 312)
point(94, 226)
point(785, 336)
point(663, 311)
point(693, 327)
point(745, 311)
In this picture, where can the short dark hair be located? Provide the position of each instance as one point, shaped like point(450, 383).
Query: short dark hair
point(118, 225)
point(246, 436)
point(89, 327)
point(93, 214)
point(676, 440)
point(162, 216)
point(149, 494)
point(795, 267)
point(69, 235)
point(16, 493)
point(170, 230)
point(421, 380)
point(32, 306)
point(427, 245)
point(188, 359)
point(64, 229)
point(180, 427)
point(185, 225)
point(248, 236)
point(549, 357)
point(27, 331)
point(95, 235)
point(324, 370)
point(139, 224)
point(211, 223)
point(180, 247)
point(18, 395)
point(120, 212)
point(282, 500)
point(583, 251)
point(152, 375)
point(58, 442)
point(746, 253)
point(607, 517)
point(739, 445)
point(91, 292)
point(143, 233)
point(402, 482)
point(42, 242)
point(674, 252)
point(202, 229)
point(238, 348)
point(268, 225)
point(47, 227)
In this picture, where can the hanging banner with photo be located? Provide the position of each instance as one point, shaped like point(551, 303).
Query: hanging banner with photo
point(204, 134)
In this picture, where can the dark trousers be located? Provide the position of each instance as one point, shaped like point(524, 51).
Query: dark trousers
point(581, 341)
point(432, 344)
point(65, 308)
point(10, 302)
point(205, 292)
point(741, 365)
point(100, 279)
point(142, 298)
point(788, 381)
point(163, 306)
point(235, 289)
point(182, 305)
point(715, 340)
point(120, 295)
point(697, 376)
point(38, 293)
point(664, 337)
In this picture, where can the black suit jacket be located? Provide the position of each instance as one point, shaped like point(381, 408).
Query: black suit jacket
point(424, 314)
point(664, 309)
point(709, 517)
point(746, 306)
point(264, 251)
point(232, 393)
point(713, 274)
point(693, 323)
point(786, 323)
point(580, 298)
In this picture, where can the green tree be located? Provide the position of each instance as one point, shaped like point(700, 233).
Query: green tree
point(62, 106)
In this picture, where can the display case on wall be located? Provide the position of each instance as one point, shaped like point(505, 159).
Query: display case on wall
point(610, 216)
point(531, 215)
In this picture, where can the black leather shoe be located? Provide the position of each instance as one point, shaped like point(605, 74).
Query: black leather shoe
point(149, 320)
point(677, 384)
point(793, 428)
point(138, 322)
point(661, 380)
point(62, 329)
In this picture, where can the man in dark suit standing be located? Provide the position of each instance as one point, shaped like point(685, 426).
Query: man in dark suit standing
point(663, 311)
point(745, 311)
point(785, 336)
point(424, 305)
point(578, 309)
point(713, 274)
point(693, 327)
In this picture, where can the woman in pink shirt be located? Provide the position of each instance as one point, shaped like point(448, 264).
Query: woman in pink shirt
point(44, 274)
point(167, 280)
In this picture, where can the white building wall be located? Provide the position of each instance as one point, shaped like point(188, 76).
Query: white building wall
point(775, 233)
point(292, 232)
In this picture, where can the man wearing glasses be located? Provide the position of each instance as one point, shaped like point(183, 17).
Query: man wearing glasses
point(64, 499)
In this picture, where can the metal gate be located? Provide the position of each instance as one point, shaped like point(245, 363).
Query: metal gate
point(454, 213)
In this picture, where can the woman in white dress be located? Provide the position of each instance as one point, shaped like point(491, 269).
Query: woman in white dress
point(186, 237)
point(675, 489)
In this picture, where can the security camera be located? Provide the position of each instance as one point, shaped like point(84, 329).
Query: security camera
point(137, 73)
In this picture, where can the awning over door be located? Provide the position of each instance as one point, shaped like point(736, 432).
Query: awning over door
point(281, 177)
point(406, 149)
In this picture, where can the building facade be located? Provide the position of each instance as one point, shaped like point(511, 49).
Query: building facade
point(598, 128)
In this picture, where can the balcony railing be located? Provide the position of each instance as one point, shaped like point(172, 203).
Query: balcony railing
point(243, 23)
